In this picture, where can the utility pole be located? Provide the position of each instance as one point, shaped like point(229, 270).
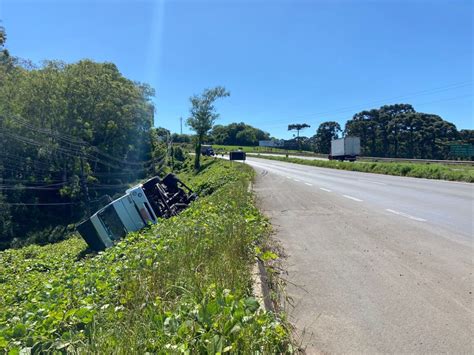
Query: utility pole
point(181, 124)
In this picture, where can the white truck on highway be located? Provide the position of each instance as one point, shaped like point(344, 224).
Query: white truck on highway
point(347, 148)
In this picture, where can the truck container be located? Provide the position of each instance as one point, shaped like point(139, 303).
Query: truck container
point(347, 148)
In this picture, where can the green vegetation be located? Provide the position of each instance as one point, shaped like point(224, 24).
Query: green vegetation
point(400, 131)
point(69, 134)
point(418, 170)
point(327, 131)
point(182, 286)
point(237, 134)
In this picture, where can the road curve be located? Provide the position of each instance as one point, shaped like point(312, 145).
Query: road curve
point(376, 263)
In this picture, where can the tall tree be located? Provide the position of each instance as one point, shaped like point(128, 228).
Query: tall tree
point(69, 133)
point(203, 116)
point(326, 132)
point(4, 55)
point(298, 127)
point(399, 131)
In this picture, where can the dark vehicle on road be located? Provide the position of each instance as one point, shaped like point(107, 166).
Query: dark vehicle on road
point(207, 150)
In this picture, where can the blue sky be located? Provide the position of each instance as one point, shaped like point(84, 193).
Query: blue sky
point(283, 61)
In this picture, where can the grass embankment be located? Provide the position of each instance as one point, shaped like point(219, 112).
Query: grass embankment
point(183, 285)
point(418, 170)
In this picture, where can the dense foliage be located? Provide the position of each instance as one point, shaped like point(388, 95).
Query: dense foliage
point(327, 131)
point(183, 285)
point(69, 133)
point(400, 131)
point(418, 170)
point(237, 134)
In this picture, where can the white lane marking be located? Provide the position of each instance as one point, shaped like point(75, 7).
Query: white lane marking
point(373, 182)
point(352, 198)
point(406, 215)
point(296, 180)
point(327, 190)
point(307, 183)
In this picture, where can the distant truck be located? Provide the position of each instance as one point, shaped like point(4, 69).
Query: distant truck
point(207, 150)
point(347, 148)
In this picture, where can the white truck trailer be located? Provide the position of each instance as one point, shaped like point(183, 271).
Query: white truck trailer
point(347, 148)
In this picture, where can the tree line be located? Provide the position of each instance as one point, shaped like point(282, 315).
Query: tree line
point(393, 131)
point(236, 133)
point(69, 134)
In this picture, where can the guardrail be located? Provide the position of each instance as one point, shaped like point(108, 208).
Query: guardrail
point(425, 161)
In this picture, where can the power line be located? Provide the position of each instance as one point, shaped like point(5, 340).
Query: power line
point(68, 152)
point(77, 143)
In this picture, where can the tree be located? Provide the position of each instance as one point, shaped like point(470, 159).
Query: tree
point(181, 138)
point(203, 116)
point(5, 59)
point(3, 36)
point(247, 137)
point(237, 134)
point(298, 127)
point(399, 131)
point(467, 136)
point(326, 132)
point(82, 130)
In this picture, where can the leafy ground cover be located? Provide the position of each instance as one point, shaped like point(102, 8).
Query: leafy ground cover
point(419, 170)
point(182, 286)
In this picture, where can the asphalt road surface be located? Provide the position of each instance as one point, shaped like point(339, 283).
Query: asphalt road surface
point(375, 263)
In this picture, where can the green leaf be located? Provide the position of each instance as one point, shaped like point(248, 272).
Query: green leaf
point(19, 330)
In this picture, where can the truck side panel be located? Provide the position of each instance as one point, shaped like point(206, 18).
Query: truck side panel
point(352, 146)
point(337, 147)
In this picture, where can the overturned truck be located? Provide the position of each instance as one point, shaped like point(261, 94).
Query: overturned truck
point(141, 205)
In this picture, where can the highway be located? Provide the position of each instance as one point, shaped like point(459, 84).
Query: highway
point(375, 263)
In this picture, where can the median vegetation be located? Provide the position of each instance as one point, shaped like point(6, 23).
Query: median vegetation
point(183, 285)
point(418, 170)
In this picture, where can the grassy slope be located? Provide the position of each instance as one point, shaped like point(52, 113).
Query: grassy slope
point(182, 285)
point(419, 170)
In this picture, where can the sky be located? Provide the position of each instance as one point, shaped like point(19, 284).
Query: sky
point(283, 61)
